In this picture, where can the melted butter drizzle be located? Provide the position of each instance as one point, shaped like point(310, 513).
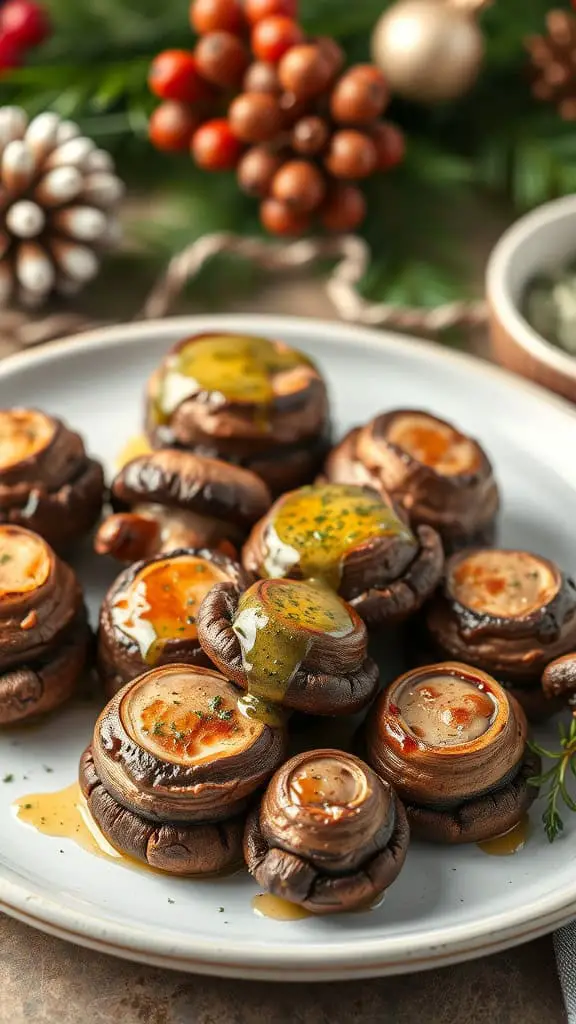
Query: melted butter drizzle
point(241, 369)
point(278, 909)
point(511, 842)
point(315, 527)
point(275, 624)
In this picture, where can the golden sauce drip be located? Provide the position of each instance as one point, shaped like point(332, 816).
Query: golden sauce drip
point(267, 905)
point(64, 814)
point(239, 368)
point(134, 447)
point(502, 583)
point(275, 623)
point(511, 842)
point(315, 527)
point(162, 601)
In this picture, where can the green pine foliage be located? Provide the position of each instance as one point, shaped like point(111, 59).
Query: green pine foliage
point(496, 140)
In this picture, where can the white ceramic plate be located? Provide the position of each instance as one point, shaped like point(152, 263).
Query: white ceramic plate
point(449, 903)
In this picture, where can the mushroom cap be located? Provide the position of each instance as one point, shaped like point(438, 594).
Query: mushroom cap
point(193, 483)
point(444, 734)
point(173, 746)
point(148, 616)
point(329, 834)
point(509, 612)
point(203, 848)
point(47, 482)
point(289, 642)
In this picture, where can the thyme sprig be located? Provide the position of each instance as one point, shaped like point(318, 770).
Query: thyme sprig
point(553, 781)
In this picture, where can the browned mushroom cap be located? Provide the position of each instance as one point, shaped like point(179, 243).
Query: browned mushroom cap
point(148, 616)
point(289, 643)
point(349, 537)
point(453, 743)
point(509, 612)
point(173, 746)
point(328, 835)
point(559, 677)
point(441, 477)
point(47, 482)
point(204, 848)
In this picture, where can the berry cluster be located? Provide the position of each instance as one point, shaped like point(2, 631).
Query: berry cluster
point(258, 96)
point(23, 25)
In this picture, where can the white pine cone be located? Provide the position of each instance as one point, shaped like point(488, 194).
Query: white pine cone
point(58, 203)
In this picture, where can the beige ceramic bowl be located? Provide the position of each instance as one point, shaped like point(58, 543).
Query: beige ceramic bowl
point(541, 241)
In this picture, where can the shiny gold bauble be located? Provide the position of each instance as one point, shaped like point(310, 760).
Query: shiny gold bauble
point(429, 50)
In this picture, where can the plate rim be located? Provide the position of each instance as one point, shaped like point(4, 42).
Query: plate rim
point(368, 957)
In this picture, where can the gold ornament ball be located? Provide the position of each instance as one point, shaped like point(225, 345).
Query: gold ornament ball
point(429, 50)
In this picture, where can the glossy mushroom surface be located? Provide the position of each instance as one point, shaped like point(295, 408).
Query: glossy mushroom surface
point(328, 834)
point(47, 482)
point(43, 628)
point(289, 643)
point(508, 612)
point(350, 538)
point(173, 746)
point(148, 617)
point(248, 400)
point(171, 499)
point(441, 477)
point(454, 745)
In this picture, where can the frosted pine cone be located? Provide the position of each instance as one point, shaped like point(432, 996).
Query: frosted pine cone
point(58, 201)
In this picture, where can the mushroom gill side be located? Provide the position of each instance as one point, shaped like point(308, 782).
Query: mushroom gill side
point(328, 834)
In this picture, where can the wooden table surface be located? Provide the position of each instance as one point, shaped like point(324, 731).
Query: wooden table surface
point(49, 981)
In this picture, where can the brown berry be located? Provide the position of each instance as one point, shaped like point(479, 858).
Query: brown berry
point(273, 36)
point(280, 219)
point(304, 71)
point(214, 147)
point(262, 77)
point(221, 59)
point(359, 96)
point(390, 144)
point(216, 16)
point(255, 116)
point(310, 135)
point(351, 155)
point(300, 185)
point(172, 126)
point(255, 10)
point(292, 108)
point(256, 171)
point(344, 208)
point(333, 53)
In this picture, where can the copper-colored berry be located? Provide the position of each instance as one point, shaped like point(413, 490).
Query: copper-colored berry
point(256, 171)
point(256, 10)
point(216, 16)
point(280, 219)
point(304, 71)
point(262, 77)
point(172, 126)
point(359, 96)
point(255, 117)
point(333, 53)
point(222, 59)
point(300, 185)
point(310, 135)
point(351, 155)
point(344, 208)
point(292, 108)
point(390, 144)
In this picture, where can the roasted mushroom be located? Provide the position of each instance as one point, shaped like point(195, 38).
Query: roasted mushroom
point(47, 482)
point(251, 401)
point(349, 537)
point(44, 633)
point(177, 499)
point(509, 613)
point(148, 616)
point(442, 478)
point(328, 834)
point(288, 643)
point(453, 744)
point(171, 766)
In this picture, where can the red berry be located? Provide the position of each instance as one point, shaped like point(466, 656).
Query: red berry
point(222, 59)
point(344, 209)
point(214, 147)
point(25, 22)
point(273, 36)
point(216, 16)
point(390, 145)
point(279, 219)
point(255, 10)
point(10, 54)
point(172, 126)
point(174, 75)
